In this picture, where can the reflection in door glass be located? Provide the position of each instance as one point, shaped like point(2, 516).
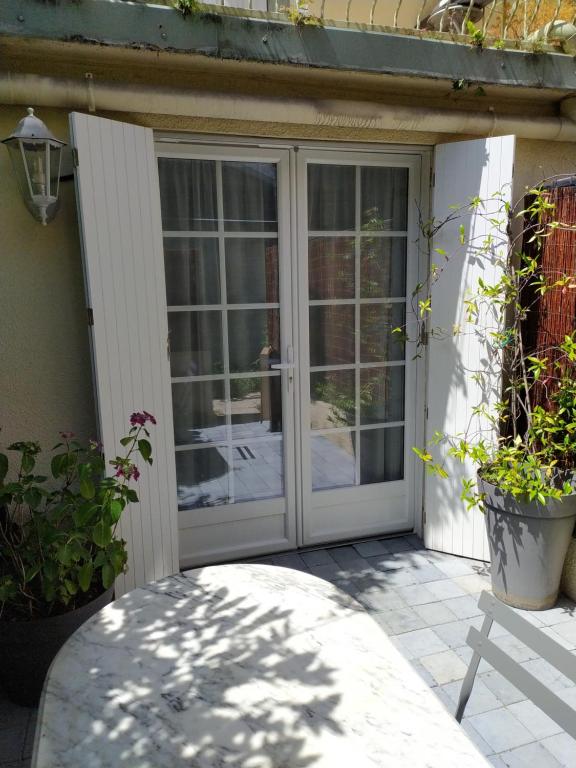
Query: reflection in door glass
point(333, 460)
point(256, 406)
point(224, 329)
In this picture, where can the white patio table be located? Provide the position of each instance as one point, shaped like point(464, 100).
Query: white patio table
point(241, 666)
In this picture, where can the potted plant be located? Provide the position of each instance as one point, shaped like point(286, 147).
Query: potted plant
point(59, 552)
point(524, 451)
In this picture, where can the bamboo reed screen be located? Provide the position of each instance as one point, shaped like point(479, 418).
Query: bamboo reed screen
point(553, 316)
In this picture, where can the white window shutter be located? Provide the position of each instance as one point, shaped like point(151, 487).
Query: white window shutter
point(119, 211)
point(463, 170)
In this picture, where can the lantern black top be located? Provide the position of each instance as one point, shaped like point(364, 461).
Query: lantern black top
point(32, 128)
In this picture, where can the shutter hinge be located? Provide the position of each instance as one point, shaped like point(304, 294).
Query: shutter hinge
point(75, 161)
point(90, 315)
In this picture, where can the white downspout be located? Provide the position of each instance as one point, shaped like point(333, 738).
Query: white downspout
point(73, 94)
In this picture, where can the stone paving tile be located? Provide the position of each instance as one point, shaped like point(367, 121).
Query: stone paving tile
point(473, 583)
point(416, 594)
point(501, 688)
point(481, 700)
point(399, 544)
point(394, 561)
point(529, 756)
point(434, 614)
point(454, 634)
point(539, 724)
point(501, 730)
point(289, 560)
point(403, 620)
point(515, 648)
point(421, 642)
point(347, 556)
point(564, 610)
point(567, 631)
point(482, 745)
point(464, 607)
point(563, 747)
point(427, 573)
point(445, 666)
point(317, 557)
point(547, 674)
point(370, 548)
point(379, 600)
point(445, 589)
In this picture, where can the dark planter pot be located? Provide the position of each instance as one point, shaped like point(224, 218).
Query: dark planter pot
point(528, 544)
point(27, 649)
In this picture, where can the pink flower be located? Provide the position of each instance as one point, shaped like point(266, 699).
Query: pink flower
point(67, 435)
point(129, 472)
point(140, 419)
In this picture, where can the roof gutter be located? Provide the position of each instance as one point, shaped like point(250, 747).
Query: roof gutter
point(93, 96)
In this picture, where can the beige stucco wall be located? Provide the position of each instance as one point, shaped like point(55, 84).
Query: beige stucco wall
point(45, 377)
point(537, 160)
point(45, 372)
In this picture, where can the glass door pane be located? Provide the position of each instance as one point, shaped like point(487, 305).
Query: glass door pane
point(220, 220)
point(357, 262)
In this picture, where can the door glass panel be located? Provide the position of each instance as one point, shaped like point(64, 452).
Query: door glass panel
point(256, 406)
point(332, 338)
point(331, 197)
point(378, 343)
point(381, 395)
point(384, 198)
point(228, 428)
point(202, 477)
point(252, 270)
point(192, 271)
point(188, 194)
point(253, 339)
point(383, 267)
point(357, 298)
point(249, 192)
point(332, 399)
point(381, 455)
point(258, 469)
point(195, 343)
point(331, 267)
point(199, 410)
point(333, 460)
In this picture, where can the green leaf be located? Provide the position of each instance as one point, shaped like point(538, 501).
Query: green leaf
point(101, 534)
point(116, 508)
point(126, 441)
point(108, 575)
point(87, 488)
point(32, 497)
point(3, 466)
point(85, 573)
point(71, 586)
point(28, 462)
point(65, 554)
point(131, 495)
point(145, 449)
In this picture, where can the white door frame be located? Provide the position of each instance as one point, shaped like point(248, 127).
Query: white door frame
point(290, 199)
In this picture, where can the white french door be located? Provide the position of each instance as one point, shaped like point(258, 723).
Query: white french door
point(291, 427)
point(358, 255)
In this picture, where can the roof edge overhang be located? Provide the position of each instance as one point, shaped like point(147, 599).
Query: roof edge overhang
point(233, 37)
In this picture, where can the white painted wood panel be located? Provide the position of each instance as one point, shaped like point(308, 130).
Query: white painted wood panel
point(119, 211)
point(463, 170)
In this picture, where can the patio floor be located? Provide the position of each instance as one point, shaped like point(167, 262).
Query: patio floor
point(425, 601)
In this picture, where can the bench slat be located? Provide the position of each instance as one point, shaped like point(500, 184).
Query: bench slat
point(542, 696)
point(545, 646)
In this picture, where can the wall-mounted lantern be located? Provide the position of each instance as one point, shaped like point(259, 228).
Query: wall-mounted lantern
point(36, 154)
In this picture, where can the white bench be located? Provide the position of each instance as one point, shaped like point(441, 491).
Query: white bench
point(241, 666)
point(484, 648)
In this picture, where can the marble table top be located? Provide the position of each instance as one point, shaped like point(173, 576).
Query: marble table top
point(241, 666)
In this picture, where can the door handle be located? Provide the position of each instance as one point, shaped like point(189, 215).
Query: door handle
point(282, 366)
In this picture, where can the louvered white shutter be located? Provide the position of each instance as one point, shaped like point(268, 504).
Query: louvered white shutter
point(463, 171)
point(119, 211)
